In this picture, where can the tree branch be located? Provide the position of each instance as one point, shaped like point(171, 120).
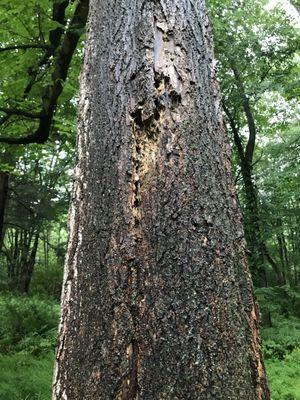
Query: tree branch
point(235, 131)
point(59, 76)
point(58, 15)
point(4, 119)
point(249, 116)
point(25, 47)
point(23, 113)
point(296, 5)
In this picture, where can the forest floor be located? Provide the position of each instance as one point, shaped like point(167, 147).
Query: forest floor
point(28, 329)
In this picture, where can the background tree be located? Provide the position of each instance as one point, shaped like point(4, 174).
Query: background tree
point(39, 42)
point(296, 4)
point(260, 54)
point(37, 195)
point(278, 178)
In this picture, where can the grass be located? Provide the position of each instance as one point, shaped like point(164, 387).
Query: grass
point(25, 376)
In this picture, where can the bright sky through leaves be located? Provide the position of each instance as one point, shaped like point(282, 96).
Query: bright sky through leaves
point(286, 5)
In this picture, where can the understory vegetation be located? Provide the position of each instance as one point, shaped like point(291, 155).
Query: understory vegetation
point(28, 334)
point(28, 331)
point(281, 340)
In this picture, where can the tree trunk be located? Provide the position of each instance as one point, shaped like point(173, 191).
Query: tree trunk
point(283, 253)
point(294, 277)
point(253, 224)
point(27, 267)
point(4, 176)
point(157, 297)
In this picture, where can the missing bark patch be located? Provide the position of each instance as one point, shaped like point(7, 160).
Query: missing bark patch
point(146, 133)
point(145, 139)
point(130, 387)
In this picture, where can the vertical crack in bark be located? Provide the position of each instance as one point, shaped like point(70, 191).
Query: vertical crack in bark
point(133, 365)
point(130, 387)
point(151, 118)
point(146, 132)
point(145, 136)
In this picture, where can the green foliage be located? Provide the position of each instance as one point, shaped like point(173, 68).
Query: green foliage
point(39, 176)
point(25, 23)
point(279, 300)
point(281, 338)
point(47, 281)
point(257, 51)
point(37, 205)
point(277, 175)
point(27, 324)
point(28, 332)
point(284, 376)
point(281, 341)
point(26, 377)
point(259, 43)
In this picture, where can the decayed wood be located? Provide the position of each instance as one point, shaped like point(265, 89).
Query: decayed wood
point(157, 298)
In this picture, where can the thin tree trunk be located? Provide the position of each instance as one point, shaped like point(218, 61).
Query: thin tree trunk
point(157, 297)
point(278, 277)
point(282, 258)
point(296, 237)
point(4, 177)
point(252, 223)
point(283, 253)
point(28, 266)
point(46, 248)
point(15, 258)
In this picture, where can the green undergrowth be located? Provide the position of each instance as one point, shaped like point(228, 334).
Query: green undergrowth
point(28, 331)
point(281, 340)
point(25, 376)
point(27, 324)
point(281, 348)
point(284, 376)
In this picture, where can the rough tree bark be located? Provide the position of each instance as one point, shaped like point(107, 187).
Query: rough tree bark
point(157, 297)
